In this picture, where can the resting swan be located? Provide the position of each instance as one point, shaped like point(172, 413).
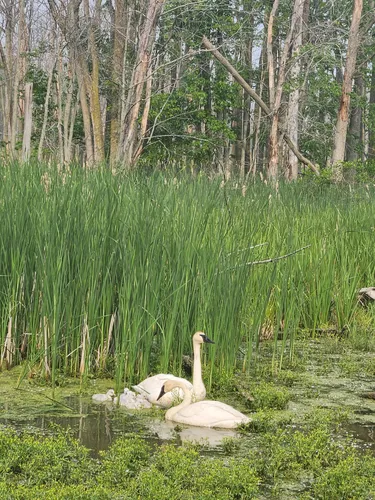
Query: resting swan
point(150, 387)
point(202, 414)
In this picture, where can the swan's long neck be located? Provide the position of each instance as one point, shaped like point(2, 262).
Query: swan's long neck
point(186, 401)
point(198, 385)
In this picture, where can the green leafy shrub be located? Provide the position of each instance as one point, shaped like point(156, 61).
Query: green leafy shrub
point(267, 395)
point(351, 478)
point(24, 458)
point(123, 460)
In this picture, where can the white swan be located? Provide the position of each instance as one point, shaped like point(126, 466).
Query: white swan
point(102, 398)
point(202, 414)
point(150, 387)
point(132, 401)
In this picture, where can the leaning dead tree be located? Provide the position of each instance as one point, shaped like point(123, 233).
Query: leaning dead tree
point(239, 79)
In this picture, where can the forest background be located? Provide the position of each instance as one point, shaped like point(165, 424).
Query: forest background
point(132, 83)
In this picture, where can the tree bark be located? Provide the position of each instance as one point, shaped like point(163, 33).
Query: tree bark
point(343, 112)
point(294, 96)
point(28, 122)
point(354, 140)
point(371, 138)
point(274, 133)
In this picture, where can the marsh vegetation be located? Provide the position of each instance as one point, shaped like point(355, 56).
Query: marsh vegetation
point(103, 280)
point(111, 275)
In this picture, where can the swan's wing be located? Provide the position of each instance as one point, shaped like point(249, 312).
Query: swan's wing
point(150, 388)
point(156, 382)
point(210, 414)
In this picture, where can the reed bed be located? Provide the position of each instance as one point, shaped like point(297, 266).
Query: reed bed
point(112, 274)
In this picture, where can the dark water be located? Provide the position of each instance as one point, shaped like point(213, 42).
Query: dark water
point(96, 426)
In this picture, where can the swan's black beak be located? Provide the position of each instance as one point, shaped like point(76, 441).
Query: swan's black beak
point(206, 340)
point(162, 392)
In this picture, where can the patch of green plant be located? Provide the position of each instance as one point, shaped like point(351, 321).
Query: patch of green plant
point(123, 460)
point(351, 478)
point(268, 421)
point(269, 396)
point(289, 454)
point(230, 445)
point(332, 418)
point(59, 491)
point(58, 467)
point(182, 473)
point(58, 458)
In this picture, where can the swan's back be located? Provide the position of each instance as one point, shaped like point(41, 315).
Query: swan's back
point(209, 414)
point(150, 388)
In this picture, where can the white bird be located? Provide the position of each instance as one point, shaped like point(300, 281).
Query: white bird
point(202, 414)
point(102, 398)
point(132, 401)
point(151, 386)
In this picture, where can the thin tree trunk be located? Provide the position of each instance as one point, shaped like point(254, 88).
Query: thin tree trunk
point(93, 83)
point(68, 118)
point(354, 140)
point(371, 134)
point(119, 15)
point(274, 133)
point(294, 97)
point(28, 122)
point(19, 75)
point(45, 115)
point(130, 141)
point(343, 113)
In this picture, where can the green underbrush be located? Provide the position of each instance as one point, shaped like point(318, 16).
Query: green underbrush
point(58, 467)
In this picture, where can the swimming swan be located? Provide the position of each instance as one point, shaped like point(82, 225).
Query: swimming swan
point(202, 414)
point(102, 398)
point(150, 387)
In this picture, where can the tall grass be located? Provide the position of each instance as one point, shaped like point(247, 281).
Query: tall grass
point(113, 274)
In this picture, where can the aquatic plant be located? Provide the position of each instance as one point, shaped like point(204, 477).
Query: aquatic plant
point(111, 274)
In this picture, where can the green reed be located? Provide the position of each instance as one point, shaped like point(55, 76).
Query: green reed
point(113, 274)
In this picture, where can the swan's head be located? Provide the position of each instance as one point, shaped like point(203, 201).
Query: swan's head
point(111, 393)
point(168, 386)
point(201, 338)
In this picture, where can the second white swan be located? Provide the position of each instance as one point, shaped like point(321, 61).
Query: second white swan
point(151, 386)
point(204, 413)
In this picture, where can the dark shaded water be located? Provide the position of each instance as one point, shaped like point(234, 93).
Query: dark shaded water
point(97, 425)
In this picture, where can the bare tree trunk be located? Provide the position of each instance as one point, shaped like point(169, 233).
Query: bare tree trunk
point(146, 111)
point(277, 94)
point(294, 97)
point(371, 138)
point(46, 109)
point(86, 118)
point(120, 17)
point(354, 140)
point(129, 137)
point(28, 122)
point(343, 113)
point(93, 82)
point(69, 118)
